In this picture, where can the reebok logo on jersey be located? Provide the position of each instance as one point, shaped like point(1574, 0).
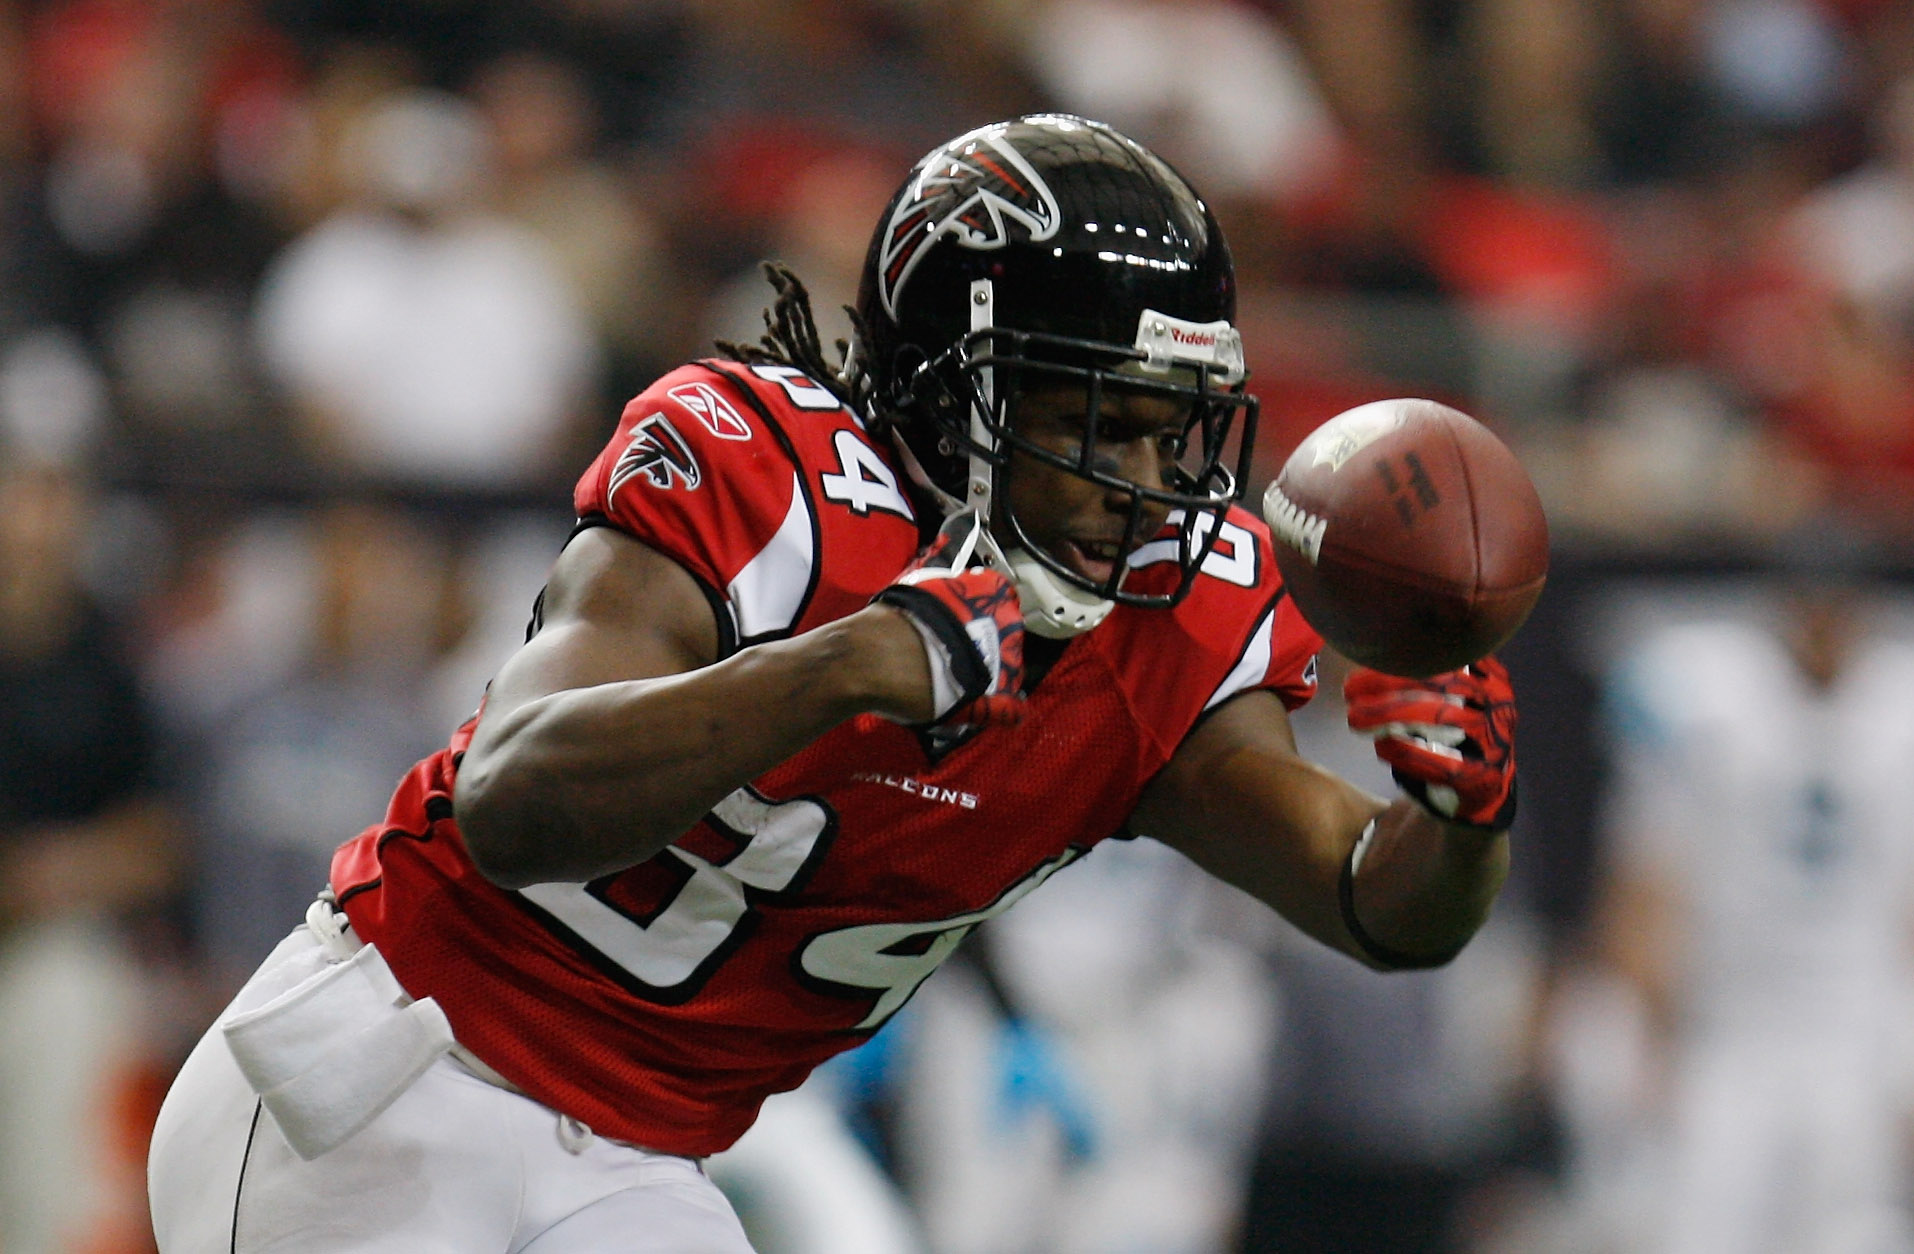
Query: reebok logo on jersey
point(658, 453)
point(713, 410)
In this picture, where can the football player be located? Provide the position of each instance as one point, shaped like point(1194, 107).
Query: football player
point(1758, 905)
point(835, 666)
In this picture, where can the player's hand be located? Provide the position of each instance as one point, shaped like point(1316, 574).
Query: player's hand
point(1450, 739)
point(972, 628)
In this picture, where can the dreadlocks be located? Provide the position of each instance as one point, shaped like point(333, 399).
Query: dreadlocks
point(791, 339)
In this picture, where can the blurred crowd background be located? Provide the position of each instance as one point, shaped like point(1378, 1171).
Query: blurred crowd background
point(311, 310)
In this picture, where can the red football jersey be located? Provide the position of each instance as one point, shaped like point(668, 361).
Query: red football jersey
point(661, 1005)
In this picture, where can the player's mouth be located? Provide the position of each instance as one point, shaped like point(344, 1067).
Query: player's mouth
point(1095, 560)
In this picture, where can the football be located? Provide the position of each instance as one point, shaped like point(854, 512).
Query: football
point(1409, 535)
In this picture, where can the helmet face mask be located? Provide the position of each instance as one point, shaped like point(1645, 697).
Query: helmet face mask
point(974, 397)
point(1051, 254)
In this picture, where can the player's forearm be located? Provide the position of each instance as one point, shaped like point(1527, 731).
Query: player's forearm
point(1423, 887)
point(588, 781)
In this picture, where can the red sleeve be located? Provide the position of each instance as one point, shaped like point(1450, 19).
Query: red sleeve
point(1280, 653)
point(1280, 656)
point(762, 485)
point(694, 471)
point(1294, 646)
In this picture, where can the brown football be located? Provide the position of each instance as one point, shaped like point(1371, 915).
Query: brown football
point(1409, 535)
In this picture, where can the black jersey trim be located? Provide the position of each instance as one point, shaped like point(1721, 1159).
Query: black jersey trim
point(580, 525)
point(439, 807)
point(366, 887)
point(720, 609)
point(1242, 647)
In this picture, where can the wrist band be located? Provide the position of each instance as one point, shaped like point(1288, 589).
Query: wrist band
point(1383, 955)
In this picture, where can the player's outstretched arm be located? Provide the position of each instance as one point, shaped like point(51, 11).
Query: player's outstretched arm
point(612, 730)
point(1243, 804)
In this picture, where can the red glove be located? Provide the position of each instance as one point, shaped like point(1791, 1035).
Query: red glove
point(1449, 739)
point(972, 627)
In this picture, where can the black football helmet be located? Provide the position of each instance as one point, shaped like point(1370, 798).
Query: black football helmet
point(1044, 248)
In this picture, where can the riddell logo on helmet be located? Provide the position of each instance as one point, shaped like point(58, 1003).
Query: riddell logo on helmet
point(1196, 339)
point(973, 189)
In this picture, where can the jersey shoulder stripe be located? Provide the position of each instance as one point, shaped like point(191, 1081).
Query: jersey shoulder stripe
point(1252, 665)
point(1270, 644)
point(769, 594)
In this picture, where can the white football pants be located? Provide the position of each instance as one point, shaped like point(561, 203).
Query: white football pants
point(455, 1164)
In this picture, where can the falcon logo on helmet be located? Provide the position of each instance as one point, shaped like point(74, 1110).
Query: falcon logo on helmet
point(972, 189)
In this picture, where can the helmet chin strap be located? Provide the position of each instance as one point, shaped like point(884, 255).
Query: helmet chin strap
point(1051, 606)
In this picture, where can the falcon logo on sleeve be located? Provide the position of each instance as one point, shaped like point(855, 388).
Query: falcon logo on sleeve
point(658, 453)
point(972, 189)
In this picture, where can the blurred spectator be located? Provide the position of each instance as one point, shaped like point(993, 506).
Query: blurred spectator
point(772, 96)
point(629, 52)
point(1371, 58)
point(15, 138)
point(1657, 116)
point(130, 236)
point(445, 40)
point(1220, 91)
point(814, 228)
point(365, 601)
point(626, 49)
point(1836, 385)
point(296, 156)
point(419, 337)
point(803, 1184)
point(1695, 414)
point(1668, 446)
point(548, 178)
point(1086, 1083)
point(1783, 64)
point(840, 67)
point(1758, 911)
point(1668, 451)
point(1523, 250)
point(54, 406)
point(1858, 229)
point(88, 845)
point(1535, 66)
point(1854, 415)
